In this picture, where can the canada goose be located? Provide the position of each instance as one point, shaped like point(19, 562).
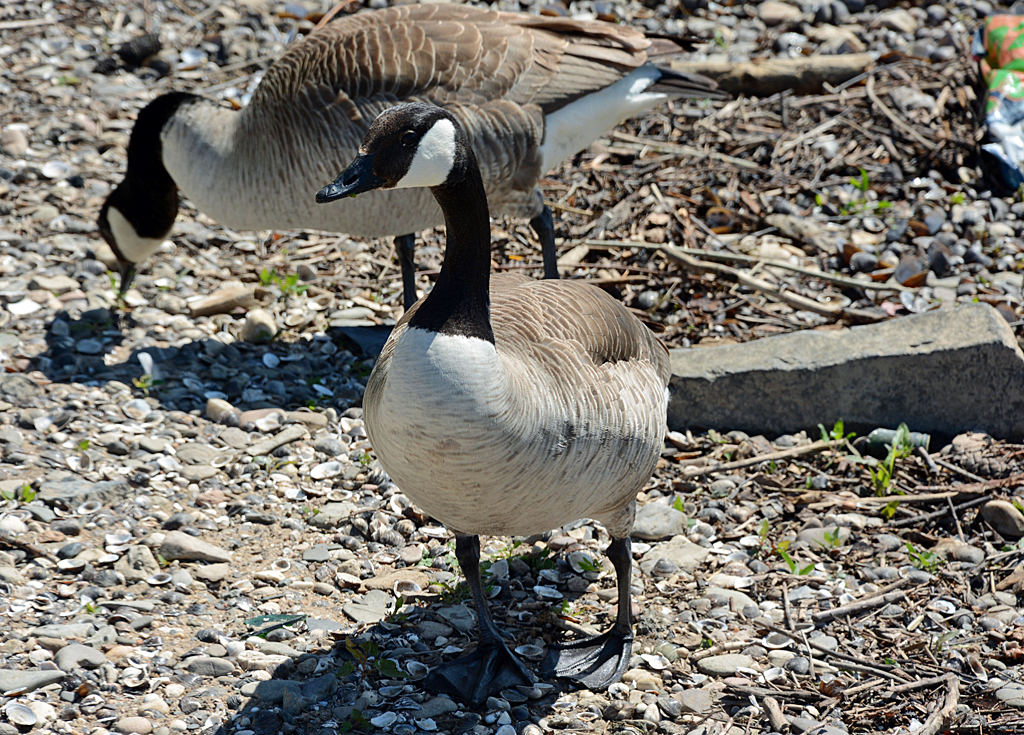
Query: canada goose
point(507, 405)
point(529, 90)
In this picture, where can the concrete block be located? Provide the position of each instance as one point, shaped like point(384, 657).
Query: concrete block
point(941, 372)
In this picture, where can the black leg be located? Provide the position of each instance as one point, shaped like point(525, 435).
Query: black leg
point(544, 225)
point(127, 272)
point(405, 245)
point(491, 667)
point(602, 660)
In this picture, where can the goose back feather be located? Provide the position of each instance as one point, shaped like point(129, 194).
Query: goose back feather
point(503, 75)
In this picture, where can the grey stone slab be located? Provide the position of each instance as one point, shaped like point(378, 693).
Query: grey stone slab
point(944, 371)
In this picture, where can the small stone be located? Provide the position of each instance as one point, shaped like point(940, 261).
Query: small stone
point(14, 142)
point(54, 284)
point(221, 412)
point(643, 680)
point(329, 444)
point(213, 573)
point(899, 20)
point(679, 551)
point(209, 666)
point(772, 12)
point(134, 726)
point(1004, 517)
point(726, 664)
point(137, 565)
point(181, 546)
point(75, 655)
point(259, 327)
point(695, 700)
point(658, 520)
point(12, 680)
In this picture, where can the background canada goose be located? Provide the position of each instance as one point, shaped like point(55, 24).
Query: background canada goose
point(529, 91)
point(507, 405)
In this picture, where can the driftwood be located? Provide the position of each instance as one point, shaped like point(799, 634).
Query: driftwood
point(765, 77)
point(226, 300)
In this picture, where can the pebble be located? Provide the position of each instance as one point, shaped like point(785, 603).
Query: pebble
point(726, 664)
point(75, 656)
point(134, 726)
point(656, 521)
point(259, 327)
point(181, 546)
point(1004, 517)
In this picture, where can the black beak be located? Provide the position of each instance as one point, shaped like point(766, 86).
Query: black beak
point(127, 271)
point(356, 179)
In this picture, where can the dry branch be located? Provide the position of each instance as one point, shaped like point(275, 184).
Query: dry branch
point(793, 299)
point(765, 77)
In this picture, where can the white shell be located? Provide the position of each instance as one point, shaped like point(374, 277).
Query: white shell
point(547, 593)
point(20, 714)
point(137, 409)
point(88, 507)
point(326, 470)
point(271, 360)
point(529, 650)
point(71, 565)
point(118, 537)
point(159, 578)
point(56, 170)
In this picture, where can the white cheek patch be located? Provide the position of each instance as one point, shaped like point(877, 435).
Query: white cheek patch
point(133, 247)
point(435, 156)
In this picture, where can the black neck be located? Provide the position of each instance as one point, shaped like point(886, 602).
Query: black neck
point(459, 303)
point(148, 196)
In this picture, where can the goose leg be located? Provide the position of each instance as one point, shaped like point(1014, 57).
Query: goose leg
point(601, 660)
point(491, 667)
point(544, 225)
point(127, 273)
point(405, 245)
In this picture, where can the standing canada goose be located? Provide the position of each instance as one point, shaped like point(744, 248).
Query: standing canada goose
point(507, 405)
point(529, 91)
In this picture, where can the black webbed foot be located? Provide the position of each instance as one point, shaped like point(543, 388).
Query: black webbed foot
point(593, 662)
point(481, 674)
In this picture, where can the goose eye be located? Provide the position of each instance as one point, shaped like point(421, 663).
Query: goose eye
point(408, 138)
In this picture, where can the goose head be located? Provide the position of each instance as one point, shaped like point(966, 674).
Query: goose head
point(407, 146)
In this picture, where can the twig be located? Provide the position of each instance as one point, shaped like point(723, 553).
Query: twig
point(958, 470)
point(976, 487)
point(771, 456)
point(12, 25)
point(793, 299)
point(775, 716)
point(907, 129)
point(686, 150)
point(956, 519)
point(855, 608)
point(773, 263)
point(872, 667)
point(915, 685)
point(941, 717)
point(915, 520)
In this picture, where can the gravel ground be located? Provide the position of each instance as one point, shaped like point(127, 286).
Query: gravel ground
point(195, 536)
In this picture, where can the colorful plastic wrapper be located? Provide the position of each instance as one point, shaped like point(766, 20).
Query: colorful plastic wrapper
point(999, 48)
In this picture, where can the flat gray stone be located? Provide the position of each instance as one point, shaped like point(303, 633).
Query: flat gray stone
point(66, 630)
point(196, 453)
point(286, 436)
point(1004, 517)
point(437, 706)
point(75, 655)
point(14, 680)
point(182, 546)
point(372, 607)
point(680, 551)
point(209, 666)
point(137, 565)
point(75, 490)
point(270, 692)
point(658, 520)
point(695, 700)
point(725, 665)
point(945, 371)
